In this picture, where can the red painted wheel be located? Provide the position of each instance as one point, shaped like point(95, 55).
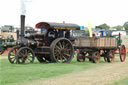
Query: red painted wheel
point(122, 51)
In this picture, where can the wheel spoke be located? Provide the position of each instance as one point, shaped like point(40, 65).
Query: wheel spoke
point(66, 45)
point(63, 44)
point(12, 57)
point(67, 54)
point(21, 54)
point(29, 59)
point(60, 58)
point(60, 45)
point(64, 57)
point(13, 60)
point(15, 51)
point(12, 54)
point(57, 47)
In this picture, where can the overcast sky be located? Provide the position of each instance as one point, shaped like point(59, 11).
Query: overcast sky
point(111, 12)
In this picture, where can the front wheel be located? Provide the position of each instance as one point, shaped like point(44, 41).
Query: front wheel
point(25, 55)
point(61, 50)
point(122, 51)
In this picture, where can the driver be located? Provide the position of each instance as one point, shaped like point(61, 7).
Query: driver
point(42, 31)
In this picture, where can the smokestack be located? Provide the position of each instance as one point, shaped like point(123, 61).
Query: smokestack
point(22, 26)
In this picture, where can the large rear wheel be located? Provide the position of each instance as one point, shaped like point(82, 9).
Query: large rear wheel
point(61, 50)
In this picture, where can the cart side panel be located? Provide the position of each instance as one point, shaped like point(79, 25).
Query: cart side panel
point(108, 42)
point(83, 41)
point(113, 42)
point(102, 42)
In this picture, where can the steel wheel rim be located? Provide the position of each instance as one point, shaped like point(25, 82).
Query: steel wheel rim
point(97, 57)
point(25, 55)
point(12, 55)
point(62, 51)
point(111, 56)
point(122, 53)
point(80, 58)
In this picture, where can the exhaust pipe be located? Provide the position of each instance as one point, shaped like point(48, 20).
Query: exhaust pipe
point(22, 26)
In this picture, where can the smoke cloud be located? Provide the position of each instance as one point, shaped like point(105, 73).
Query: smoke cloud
point(24, 4)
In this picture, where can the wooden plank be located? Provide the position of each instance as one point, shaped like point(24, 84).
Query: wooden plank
point(96, 42)
point(113, 42)
point(82, 41)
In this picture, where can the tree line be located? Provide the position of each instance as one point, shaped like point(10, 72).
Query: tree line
point(118, 27)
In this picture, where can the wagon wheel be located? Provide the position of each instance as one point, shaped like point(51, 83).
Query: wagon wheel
point(90, 56)
point(80, 57)
point(61, 50)
point(122, 51)
point(96, 57)
point(12, 54)
point(25, 55)
point(105, 56)
point(110, 56)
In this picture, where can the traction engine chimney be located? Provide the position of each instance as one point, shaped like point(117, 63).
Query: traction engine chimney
point(22, 26)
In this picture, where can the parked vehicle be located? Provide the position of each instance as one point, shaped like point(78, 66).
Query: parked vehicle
point(53, 42)
point(50, 43)
point(93, 48)
point(6, 42)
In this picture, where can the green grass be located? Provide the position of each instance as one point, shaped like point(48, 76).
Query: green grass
point(15, 73)
point(121, 82)
point(4, 54)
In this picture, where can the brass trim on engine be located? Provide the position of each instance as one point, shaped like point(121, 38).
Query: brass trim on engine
point(37, 43)
point(28, 43)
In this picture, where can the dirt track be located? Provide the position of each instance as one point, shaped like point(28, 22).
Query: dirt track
point(3, 57)
point(104, 75)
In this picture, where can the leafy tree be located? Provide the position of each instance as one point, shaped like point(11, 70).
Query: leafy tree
point(103, 26)
point(125, 25)
point(118, 27)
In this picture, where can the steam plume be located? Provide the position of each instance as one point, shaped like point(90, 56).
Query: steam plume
point(24, 4)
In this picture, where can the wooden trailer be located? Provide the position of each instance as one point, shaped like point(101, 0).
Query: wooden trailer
point(93, 48)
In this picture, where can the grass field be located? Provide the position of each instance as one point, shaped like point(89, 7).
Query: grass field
point(15, 73)
point(121, 82)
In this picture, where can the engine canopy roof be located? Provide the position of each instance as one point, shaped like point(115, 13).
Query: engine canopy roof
point(52, 25)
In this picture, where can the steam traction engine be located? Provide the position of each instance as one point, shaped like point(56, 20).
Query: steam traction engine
point(50, 43)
